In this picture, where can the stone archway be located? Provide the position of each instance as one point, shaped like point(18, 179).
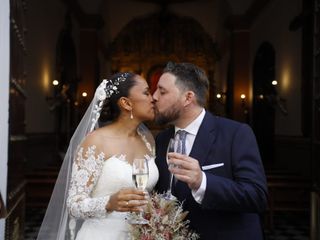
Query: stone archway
point(147, 43)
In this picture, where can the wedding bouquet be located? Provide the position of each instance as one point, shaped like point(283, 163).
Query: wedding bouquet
point(166, 221)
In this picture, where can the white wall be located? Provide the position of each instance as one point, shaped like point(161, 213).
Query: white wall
point(4, 99)
point(272, 26)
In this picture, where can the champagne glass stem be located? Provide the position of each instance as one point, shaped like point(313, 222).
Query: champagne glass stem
point(173, 145)
point(170, 184)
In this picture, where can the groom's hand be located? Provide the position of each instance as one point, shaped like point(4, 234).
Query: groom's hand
point(127, 200)
point(187, 169)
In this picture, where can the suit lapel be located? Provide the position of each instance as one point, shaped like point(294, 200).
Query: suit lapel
point(203, 142)
point(205, 138)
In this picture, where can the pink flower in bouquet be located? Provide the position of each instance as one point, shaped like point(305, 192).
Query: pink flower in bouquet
point(167, 235)
point(166, 221)
point(145, 237)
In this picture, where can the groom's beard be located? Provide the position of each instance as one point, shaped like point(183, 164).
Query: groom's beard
point(168, 116)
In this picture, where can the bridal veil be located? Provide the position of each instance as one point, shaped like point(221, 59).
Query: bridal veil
point(57, 223)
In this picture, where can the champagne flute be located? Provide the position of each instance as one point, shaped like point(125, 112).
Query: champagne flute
point(140, 175)
point(173, 146)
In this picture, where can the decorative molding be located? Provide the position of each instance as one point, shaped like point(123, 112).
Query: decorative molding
point(18, 87)
point(15, 191)
point(22, 197)
point(19, 34)
point(16, 138)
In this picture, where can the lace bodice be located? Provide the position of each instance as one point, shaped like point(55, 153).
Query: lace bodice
point(94, 179)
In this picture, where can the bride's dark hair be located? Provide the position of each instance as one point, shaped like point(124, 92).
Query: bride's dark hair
point(110, 110)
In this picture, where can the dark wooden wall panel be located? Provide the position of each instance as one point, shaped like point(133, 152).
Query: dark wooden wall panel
point(315, 195)
point(17, 139)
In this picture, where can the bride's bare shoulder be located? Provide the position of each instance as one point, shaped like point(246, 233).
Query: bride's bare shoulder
point(95, 138)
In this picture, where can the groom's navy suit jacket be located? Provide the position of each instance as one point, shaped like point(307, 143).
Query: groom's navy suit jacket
point(235, 193)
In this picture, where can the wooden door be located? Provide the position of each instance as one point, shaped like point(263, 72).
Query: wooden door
point(17, 139)
point(315, 196)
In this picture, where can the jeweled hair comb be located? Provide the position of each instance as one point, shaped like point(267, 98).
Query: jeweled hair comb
point(105, 90)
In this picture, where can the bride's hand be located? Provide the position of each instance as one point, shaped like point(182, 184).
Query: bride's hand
point(127, 200)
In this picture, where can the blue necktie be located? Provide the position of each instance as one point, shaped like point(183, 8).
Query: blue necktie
point(182, 136)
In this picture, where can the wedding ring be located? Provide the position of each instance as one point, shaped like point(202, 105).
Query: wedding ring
point(127, 203)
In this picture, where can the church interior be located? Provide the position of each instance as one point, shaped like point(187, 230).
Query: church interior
point(262, 58)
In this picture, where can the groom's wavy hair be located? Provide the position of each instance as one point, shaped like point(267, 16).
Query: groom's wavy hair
point(111, 110)
point(192, 78)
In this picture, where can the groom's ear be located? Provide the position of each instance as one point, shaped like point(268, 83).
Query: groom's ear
point(125, 103)
point(189, 97)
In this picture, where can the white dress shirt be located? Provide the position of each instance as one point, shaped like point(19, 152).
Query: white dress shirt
point(192, 130)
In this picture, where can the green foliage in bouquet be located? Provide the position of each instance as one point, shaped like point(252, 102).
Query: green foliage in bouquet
point(166, 221)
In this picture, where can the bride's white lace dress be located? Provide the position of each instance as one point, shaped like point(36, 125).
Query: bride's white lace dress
point(93, 180)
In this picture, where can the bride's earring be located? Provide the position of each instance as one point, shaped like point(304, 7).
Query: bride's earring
point(131, 115)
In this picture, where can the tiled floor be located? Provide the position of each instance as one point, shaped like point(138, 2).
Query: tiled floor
point(286, 226)
point(289, 226)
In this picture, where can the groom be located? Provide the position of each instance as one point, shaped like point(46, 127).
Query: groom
point(220, 177)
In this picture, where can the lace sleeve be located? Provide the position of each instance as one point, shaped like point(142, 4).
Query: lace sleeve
point(85, 173)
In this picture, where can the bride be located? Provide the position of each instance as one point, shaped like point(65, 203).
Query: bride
point(94, 190)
